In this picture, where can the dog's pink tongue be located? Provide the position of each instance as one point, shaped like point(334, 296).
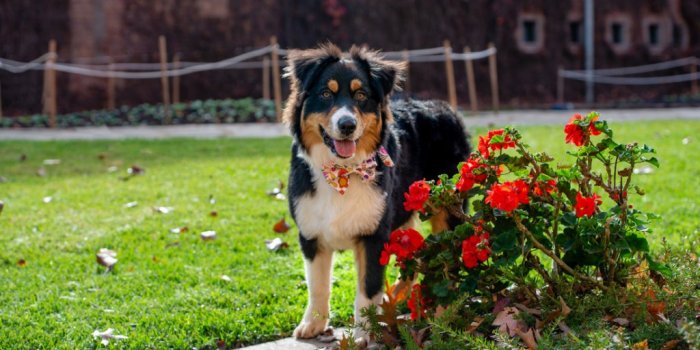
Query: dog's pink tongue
point(345, 148)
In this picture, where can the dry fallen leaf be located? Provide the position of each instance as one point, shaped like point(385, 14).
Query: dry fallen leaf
point(22, 157)
point(213, 213)
point(220, 344)
point(507, 323)
point(47, 199)
point(21, 263)
point(107, 336)
point(182, 229)
point(102, 156)
point(163, 210)
point(281, 226)
point(106, 258)
point(475, 324)
point(642, 345)
point(620, 321)
point(208, 235)
point(276, 244)
point(671, 344)
point(52, 161)
point(344, 343)
point(135, 170)
point(528, 338)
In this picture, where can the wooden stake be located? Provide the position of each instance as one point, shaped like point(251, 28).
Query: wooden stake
point(176, 79)
point(494, 80)
point(266, 78)
point(164, 79)
point(471, 84)
point(50, 85)
point(0, 101)
point(560, 86)
point(407, 81)
point(276, 83)
point(110, 88)
point(450, 73)
point(694, 82)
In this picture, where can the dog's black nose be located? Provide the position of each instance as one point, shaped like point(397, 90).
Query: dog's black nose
point(347, 125)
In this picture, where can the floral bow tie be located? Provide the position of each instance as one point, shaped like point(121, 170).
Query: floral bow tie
point(338, 176)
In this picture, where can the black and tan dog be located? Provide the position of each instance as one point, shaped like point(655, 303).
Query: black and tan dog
point(354, 155)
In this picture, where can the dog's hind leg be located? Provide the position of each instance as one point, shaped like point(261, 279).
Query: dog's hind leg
point(318, 262)
point(370, 279)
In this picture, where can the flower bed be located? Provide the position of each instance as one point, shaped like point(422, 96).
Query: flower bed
point(536, 233)
point(246, 110)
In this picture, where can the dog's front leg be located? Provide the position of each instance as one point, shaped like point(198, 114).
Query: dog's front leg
point(370, 279)
point(318, 262)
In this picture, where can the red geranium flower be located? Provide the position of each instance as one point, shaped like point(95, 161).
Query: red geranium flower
point(541, 187)
point(402, 243)
point(508, 196)
point(576, 134)
point(475, 249)
point(417, 303)
point(485, 143)
point(418, 193)
point(467, 177)
point(586, 206)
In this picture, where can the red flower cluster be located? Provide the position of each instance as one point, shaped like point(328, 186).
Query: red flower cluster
point(485, 143)
point(586, 206)
point(418, 193)
point(467, 177)
point(417, 303)
point(576, 134)
point(475, 249)
point(548, 186)
point(508, 196)
point(403, 244)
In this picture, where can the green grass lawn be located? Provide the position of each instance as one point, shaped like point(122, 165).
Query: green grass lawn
point(166, 291)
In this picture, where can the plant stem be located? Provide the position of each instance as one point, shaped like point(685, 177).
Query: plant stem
point(554, 257)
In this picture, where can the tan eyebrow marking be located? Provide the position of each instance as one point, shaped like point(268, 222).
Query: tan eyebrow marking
point(355, 84)
point(333, 85)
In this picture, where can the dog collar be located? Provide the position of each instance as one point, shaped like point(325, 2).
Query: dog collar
point(338, 176)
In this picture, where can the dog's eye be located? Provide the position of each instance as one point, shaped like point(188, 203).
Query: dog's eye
point(360, 96)
point(326, 94)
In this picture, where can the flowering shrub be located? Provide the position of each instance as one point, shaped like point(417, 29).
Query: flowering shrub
point(533, 225)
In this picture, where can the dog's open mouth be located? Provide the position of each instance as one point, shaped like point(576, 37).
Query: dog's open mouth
point(341, 148)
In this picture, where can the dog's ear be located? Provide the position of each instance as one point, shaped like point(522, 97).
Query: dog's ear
point(303, 68)
point(385, 76)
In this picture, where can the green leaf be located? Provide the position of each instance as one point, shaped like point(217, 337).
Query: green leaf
point(441, 289)
point(569, 219)
point(661, 268)
point(637, 242)
point(497, 139)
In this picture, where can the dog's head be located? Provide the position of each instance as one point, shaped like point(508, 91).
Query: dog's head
point(339, 102)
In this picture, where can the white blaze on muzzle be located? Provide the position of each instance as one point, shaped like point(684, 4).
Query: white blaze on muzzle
point(335, 118)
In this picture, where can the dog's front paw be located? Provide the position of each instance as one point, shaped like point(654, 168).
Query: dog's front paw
point(310, 329)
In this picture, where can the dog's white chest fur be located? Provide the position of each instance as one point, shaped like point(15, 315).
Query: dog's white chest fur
point(335, 219)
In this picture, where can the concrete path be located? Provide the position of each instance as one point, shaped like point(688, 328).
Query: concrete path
point(293, 344)
point(208, 131)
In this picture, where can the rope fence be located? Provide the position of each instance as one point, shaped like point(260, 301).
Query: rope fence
point(267, 59)
point(619, 76)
